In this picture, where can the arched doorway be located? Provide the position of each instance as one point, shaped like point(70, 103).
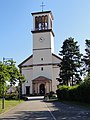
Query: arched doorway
point(42, 89)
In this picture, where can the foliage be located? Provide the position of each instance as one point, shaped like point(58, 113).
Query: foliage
point(4, 76)
point(79, 93)
point(11, 96)
point(13, 72)
point(71, 62)
point(86, 58)
point(10, 73)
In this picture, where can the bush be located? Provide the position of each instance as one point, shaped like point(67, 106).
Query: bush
point(51, 94)
point(63, 93)
point(79, 93)
point(11, 96)
point(84, 92)
point(73, 93)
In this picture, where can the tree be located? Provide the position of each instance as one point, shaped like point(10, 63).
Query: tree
point(13, 72)
point(4, 76)
point(71, 63)
point(15, 75)
point(86, 58)
point(9, 72)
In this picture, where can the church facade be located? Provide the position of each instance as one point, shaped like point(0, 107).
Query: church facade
point(41, 68)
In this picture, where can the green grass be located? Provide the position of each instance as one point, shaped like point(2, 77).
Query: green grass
point(9, 104)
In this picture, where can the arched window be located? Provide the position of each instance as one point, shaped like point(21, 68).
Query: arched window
point(46, 22)
point(40, 22)
point(36, 23)
point(41, 59)
point(41, 68)
point(43, 22)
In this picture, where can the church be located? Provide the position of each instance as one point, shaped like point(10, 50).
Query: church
point(41, 68)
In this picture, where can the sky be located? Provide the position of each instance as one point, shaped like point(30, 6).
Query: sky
point(71, 19)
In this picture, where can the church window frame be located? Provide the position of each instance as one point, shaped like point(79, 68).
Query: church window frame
point(41, 59)
point(40, 22)
point(41, 68)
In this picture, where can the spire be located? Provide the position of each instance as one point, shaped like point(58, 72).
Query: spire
point(42, 6)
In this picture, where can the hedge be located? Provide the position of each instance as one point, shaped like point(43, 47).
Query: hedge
point(79, 93)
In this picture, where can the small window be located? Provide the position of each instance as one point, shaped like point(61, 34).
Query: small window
point(41, 68)
point(41, 59)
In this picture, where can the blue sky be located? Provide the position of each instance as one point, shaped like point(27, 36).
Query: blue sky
point(71, 19)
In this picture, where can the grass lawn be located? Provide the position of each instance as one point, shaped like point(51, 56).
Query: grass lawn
point(9, 104)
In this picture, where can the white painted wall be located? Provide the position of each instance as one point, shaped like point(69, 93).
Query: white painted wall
point(47, 71)
point(55, 75)
point(45, 43)
point(28, 74)
point(52, 42)
point(28, 62)
point(56, 71)
point(42, 49)
point(45, 54)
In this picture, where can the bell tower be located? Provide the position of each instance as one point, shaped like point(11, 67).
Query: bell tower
point(40, 69)
point(42, 30)
point(42, 20)
point(43, 39)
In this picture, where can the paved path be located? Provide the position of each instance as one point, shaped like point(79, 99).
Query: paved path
point(63, 111)
point(39, 110)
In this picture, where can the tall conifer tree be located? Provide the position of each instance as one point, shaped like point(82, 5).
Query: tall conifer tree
point(86, 58)
point(71, 63)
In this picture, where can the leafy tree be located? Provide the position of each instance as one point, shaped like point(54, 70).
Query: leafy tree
point(4, 76)
point(86, 58)
point(9, 72)
point(13, 72)
point(15, 76)
point(71, 62)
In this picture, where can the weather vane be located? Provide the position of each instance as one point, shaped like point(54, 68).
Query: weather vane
point(42, 6)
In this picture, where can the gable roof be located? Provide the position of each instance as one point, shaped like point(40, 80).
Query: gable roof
point(41, 78)
point(56, 56)
point(25, 61)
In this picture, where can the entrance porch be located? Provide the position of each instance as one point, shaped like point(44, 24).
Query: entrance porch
point(41, 85)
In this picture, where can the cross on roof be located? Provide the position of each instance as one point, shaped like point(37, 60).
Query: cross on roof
point(42, 6)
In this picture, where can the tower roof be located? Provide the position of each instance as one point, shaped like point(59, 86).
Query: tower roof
point(43, 12)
